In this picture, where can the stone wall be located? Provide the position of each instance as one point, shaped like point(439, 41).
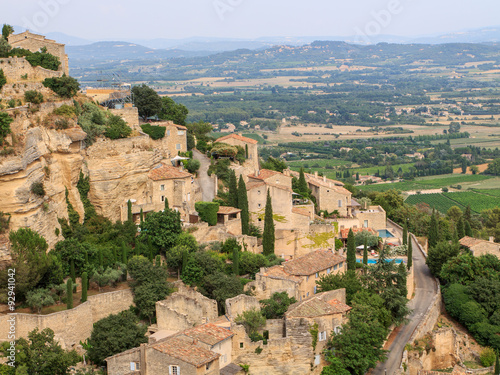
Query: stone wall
point(15, 68)
point(205, 234)
point(237, 305)
point(129, 114)
point(185, 309)
point(71, 326)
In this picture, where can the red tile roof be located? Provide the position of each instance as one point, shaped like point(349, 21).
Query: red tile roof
point(167, 172)
point(315, 306)
point(186, 349)
point(208, 333)
point(339, 306)
point(313, 262)
point(239, 138)
point(264, 174)
point(278, 272)
point(344, 233)
point(223, 210)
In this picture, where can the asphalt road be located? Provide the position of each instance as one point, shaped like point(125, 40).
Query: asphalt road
point(207, 184)
point(425, 290)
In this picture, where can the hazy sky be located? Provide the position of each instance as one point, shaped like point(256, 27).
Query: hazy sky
point(148, 19)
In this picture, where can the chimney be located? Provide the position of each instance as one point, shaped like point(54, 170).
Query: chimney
point(324, 178)
point(492, 239)
point(257, 173)
point(341, 251)
point(144, 363)
point(316, 174)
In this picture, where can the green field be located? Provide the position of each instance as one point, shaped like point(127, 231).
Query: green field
point(437, 201)
point(317, 164)
point(436, 182)
point(477, 200)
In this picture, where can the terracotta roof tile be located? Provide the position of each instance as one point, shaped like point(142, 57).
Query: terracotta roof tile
point(224, 210)
point(169, 123)
point(167, 172)
point(279, 272)
point(313, 262)
point(239, 138)
point(339, 306)
point(252, 184)
point(208, 333)
point(186, 349)
point(314, 307)
point(344, 233)
point(301, 211)
point(264, 174)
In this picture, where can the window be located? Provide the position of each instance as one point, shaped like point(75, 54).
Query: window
point(241, 345)
point(365, 224)
point(335, 267)
point(162, 187)
point(135, 366)
point(307, 278)
point(328, 191)
point(180, 132)
point(337, 330)
point(322, 336)
point(259, 205)
point(340, 203)
point(178, 146)
point(189, 197)
point(315, 289)
point(317, 358)
point(328, 270)
point(208, 365)
point(341, 264)
point(224, 358)
point(307, 294)
point(317, 274)
point(163, 198)
point(174, 370)
point(258, 192)
point(168, 133)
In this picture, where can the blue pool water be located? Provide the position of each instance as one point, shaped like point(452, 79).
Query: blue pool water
point(373, 261)
point(384, 233)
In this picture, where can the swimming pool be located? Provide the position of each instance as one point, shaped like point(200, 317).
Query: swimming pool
point(373, 261)
point(384, 233)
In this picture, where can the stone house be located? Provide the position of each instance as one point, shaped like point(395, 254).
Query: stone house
point(286, 214)
point(230, 217)
point(480, 247)
point(298, 276)
point(344, 233)
point(252, 161)
point(201, 350)
point(34, 42)
point(373, 217)
point(175, 139)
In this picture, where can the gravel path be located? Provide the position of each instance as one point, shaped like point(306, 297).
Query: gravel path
point(207, 183)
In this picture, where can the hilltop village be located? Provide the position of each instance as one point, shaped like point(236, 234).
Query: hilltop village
point(122, 222)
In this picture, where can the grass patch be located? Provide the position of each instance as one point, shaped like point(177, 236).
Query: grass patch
point(438, 201)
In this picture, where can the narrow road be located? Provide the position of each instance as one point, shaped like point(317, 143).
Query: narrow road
point(207, 183)
point(425, 290)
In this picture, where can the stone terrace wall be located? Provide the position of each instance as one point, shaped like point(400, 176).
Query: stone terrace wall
point(237, 305)
point(71, 326)
point(15, 67)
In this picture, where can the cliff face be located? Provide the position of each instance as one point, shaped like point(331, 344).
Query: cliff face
point(117, 168)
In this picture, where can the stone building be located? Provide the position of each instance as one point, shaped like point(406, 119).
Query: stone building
point(329, 195)
point(35, 42)
point(175, 139)
point(252, 162)
point(298, 276)
point(480, 247)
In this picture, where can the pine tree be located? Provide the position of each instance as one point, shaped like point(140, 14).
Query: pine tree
point(130, 217)
point(236, 261)
point(433, 233)
point(233, 190)
point(302, 184)
point(268, 235)
point(69, 294)
point(72, 270)
point(410, 253)
point(85, 281)
point(243, 205)
point(365, 254)
point(351, 252)
point(405, 234)
point(460, 228)
point(468, 229)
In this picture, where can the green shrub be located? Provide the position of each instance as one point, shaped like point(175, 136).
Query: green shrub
point(3, 80)
point(192, 165)
point(117, 128)
point(155, 132)
point(5, 121)
point(61, 124)
point(38, 189)
point(44, 59)
point(65, 110)
point(65, 87)
point(208, 211)
point(33, 96)
point(487, 357)
point(19, 52)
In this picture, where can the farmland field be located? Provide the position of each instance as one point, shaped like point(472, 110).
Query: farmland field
point(318, 164)
point(478, 201)
point(438, 201)
point(492, 192)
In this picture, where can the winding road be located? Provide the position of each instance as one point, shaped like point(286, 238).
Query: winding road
point(425, 290)
point(207, 184)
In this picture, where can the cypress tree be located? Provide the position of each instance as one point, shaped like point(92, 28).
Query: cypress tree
point(233, 190)
point(401, 283)
point(468, 229)
point(72, 270)
point(129, 211)
point(405, 234)
point(236, 261)
point(184, 261)
point(497, 365)
point(124, 253)
point(243, 205)
point(69, 294)
point(468, 213)
point(302, 184)
point(166, 204)
point(409, 254)
point(85, 281)
point(115, 256)
point(460, 228)
point(142, 216)
point(246, 151)
point(268, 235)
point(433, 233)
point(351, 252)
point(365, 254)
